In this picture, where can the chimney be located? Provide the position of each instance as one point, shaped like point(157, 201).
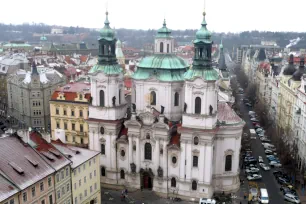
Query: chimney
point(46, 136)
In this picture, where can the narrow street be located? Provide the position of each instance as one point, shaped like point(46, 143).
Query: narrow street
point(268, 180)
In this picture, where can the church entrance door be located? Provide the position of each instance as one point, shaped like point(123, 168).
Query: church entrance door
point(147, 181)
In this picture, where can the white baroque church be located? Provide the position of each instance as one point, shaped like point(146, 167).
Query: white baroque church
point(180, 139)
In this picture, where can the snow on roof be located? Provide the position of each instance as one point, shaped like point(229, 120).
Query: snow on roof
point(75, 154)
point(7, 189)
point(12, 149)
point(27, 78)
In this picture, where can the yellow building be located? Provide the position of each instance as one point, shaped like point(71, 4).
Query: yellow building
point(69, 111)
point(289, 83)
point(85, 177)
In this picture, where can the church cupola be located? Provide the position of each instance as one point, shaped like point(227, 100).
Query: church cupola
point(107, 44)
point(164, 42)
point(300, 71)
point(203, 46)
point(290, 69)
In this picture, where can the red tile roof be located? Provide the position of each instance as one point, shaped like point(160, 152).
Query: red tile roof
point(227, 114)
point(175, 139)
point(128, 82)
point(83, 58)
point(70, 71)
point(13, 149)
point(42, 146)
point(71, 92)
point(7, 189)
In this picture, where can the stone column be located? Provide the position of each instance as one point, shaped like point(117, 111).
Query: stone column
point(182, 164)
point(130, 150)
point(138, 150)
point(165, 157)
point(157, 153)
point(208, 163)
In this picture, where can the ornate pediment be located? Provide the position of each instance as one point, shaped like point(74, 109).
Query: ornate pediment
point(147, 118)
point(102, 140)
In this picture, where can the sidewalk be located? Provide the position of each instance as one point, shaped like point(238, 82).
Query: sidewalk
point(302, 195)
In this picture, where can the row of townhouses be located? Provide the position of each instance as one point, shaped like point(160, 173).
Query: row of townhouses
point(35, 169)
point(281, 85)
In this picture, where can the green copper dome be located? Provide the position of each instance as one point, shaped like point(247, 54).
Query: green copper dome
point(203, 35)
point(164, 32)
point(164, 67)
point(106, 69)
point(107, 33)
point(163, 61)
point(43, 38)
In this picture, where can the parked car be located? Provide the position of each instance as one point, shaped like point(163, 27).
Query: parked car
point(254, 177)
point(275, 164)
point(270, 152)
point(264, 166)
point(292, 198)
point(282, 181)
point(287, 190)
point(252, 113)
point(260, 135)
point(252, 170)
point(248, 105)
point(265, 140)
point(257, 126)
point(260, 159)
point(254, 120)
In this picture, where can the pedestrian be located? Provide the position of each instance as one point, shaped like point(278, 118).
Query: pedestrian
point(126, 191)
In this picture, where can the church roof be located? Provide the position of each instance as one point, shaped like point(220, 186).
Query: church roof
point(106, 33)
point(290, 69)
point(205, 74)
point(164, 32)
point(203, 35)
point(299, 72)
point(106, 69)
point(119, 53)
point(163, 61)
point(227, 116)
point(161, 75)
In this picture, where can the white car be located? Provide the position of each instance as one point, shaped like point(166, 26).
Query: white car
point(275, 164)
point(260, 159)
point(252, 170)
point(292, 198)
point(264, 166)
point(207, 201)
point(254, 177)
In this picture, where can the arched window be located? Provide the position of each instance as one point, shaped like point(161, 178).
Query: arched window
point(161, 47)
point(101, 49)
point(228, 163)
point(122, 174)
point(197, 107)
point(102, 130)
point(102, 98)
point(153, 98)
point(195, 140)
point(176, 98)
point(194, 185)
point(102, 171)
point(201, 52)
point(168, 48)
point(119, 99)
point(103, 149)
point(195, 161)
point(148, 151)
point(173, 182)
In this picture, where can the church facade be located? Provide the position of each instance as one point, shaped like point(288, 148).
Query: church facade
point(178, 138)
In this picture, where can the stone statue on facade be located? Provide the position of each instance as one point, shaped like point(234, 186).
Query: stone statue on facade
point(160, 172)
point(185, 107)
point(133, 167)
point(162, 109)
point(134, 107)
point(210, 110)
point(114, 100)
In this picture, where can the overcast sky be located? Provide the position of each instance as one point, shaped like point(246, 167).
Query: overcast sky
point(222, 15)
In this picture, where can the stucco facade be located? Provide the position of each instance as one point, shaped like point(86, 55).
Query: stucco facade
point(29, 94)
point(69, 112)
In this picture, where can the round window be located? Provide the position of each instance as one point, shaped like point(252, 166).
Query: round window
point(174, 160)
point(122, 153)
point(196, 141)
